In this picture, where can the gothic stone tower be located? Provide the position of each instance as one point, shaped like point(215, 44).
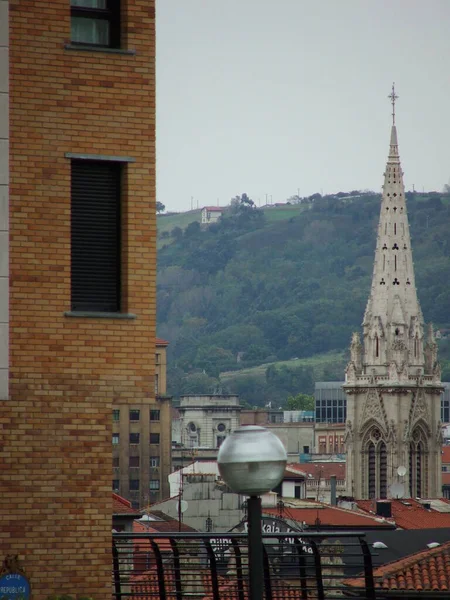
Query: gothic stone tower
point(393, 379)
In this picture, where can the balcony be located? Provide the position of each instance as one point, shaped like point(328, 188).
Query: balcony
point(207, 566)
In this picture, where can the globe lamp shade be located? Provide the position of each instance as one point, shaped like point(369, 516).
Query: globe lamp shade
point(252, 461)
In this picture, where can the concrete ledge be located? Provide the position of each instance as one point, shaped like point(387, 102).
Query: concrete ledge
point(86, 314)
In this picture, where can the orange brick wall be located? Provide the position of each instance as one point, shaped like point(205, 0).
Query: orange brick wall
point(65, 373)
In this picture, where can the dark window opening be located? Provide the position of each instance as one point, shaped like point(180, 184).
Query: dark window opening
point(134, 415)
point(95, 236)
point(396, 194)
point(385, 247)
point(372, 474)
point(134, 485)
point(134, 461)
point(397, 331)
point(395, 228)
point(408, 282)
point(115, 485)
point(95, 22)
point(134, 438)
point(154, 415)
point(116, 462)
point(116, 414)
point(383, 470)
point(377, 346)
point(154, 438)
point(395, 263)
point(395, 209)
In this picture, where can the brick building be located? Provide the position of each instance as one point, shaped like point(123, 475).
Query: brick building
point(142, 441)
point(80, 307)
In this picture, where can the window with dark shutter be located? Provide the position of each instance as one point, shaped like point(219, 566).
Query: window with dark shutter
point(95, 236)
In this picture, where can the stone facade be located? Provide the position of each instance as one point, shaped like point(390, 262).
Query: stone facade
point(206, 420)
point(66, 371)
point(393, 379)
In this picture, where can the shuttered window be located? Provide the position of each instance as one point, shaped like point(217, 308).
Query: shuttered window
point(95, 236)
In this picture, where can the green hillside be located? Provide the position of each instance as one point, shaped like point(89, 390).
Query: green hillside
point(167, 223)
point(255, 303)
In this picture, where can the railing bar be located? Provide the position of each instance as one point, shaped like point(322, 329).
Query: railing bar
point(318, 570)
point(368, 570)
point(177, 569)
point(239, 571)
point(302, 570)
point(116, 571)
point(159, 570)
point(213, 565)
point(267, 580)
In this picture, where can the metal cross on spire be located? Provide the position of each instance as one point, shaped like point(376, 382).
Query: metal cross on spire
point(393, 97)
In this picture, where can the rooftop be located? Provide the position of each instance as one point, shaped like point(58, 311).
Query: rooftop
point(409, 513)
point(323, 516)
point(424, 571)
point(320, 470)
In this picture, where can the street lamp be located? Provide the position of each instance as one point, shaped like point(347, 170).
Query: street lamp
point(252, 461)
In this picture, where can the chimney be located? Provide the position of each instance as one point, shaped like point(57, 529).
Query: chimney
point(384, 509)
point(333, 490)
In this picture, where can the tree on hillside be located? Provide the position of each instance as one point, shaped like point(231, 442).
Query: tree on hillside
point(300, 402)
point(160, 207)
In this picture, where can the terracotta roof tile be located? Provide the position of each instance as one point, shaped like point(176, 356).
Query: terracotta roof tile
point(327, 516)
point(161, 342)
point(446, 478)
point(411, 514)
point(121, 506)
point(320, 470)
point(424, 571)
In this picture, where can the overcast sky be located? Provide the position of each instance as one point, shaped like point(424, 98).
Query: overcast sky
point(269, 97)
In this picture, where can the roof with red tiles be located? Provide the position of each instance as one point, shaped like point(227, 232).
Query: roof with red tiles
point(446, 454)
point(199, 583)
point(121, 506)
point(319, 470)
point(324, 516)
point(446, 478)
point(161, 342)
point(214, 208)
point(409, 513)
point(290, 473)
point(423, 571)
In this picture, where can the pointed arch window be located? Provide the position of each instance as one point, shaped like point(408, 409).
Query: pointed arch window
point(375, 452)
point(418, 459)
point(377, 346)
point(416, 343)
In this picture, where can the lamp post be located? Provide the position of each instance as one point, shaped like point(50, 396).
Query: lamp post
point(252, 461)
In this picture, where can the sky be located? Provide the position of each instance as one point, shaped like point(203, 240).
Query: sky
point(277, 98)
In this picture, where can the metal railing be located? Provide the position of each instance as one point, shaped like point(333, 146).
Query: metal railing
point(301, 566)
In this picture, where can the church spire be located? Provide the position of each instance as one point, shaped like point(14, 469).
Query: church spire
point(393, 323)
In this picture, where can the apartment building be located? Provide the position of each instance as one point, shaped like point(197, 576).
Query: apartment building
point(142, 440)
point(77, 274)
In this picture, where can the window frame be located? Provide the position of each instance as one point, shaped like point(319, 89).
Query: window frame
point(134, 438)
point(157, 487)
point(110, 14)
point(136, 485)
point(137, 412)
point(115, 439)
point(152, 412)
point(154, 435)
